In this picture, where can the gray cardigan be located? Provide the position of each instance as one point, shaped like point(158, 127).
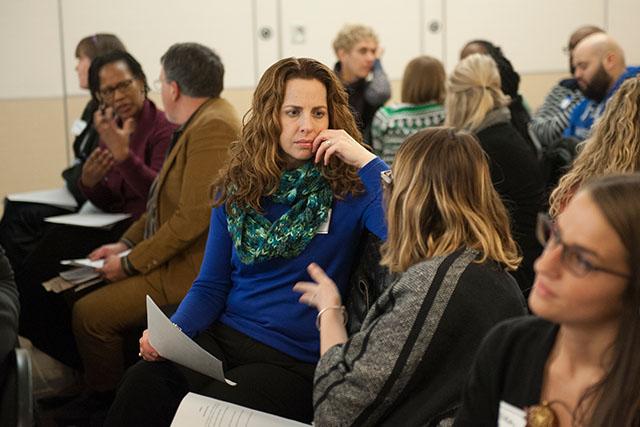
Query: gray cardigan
point(408, 363)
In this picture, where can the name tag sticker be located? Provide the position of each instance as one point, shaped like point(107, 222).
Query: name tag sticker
point(78, 126)
point(565, 103)
point(324, 227)
point(511, 416)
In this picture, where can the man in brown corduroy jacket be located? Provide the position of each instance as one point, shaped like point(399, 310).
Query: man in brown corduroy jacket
point(167, 242)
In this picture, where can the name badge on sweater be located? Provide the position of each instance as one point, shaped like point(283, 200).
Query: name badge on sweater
point(511, 416)
point(78, 126)
point(324, 227)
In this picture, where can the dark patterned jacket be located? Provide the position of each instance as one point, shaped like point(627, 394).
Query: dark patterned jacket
point(409, 361)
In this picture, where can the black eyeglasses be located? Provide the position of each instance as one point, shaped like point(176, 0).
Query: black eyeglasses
point(109, 91)
point(572, 257)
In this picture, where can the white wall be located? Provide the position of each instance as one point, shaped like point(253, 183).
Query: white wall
point(40, 98)
point(532, 33)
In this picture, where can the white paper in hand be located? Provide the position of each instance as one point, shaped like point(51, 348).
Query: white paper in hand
point(172, 344)
point(86, 262)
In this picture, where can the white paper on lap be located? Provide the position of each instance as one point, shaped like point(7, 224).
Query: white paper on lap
point(172, 344)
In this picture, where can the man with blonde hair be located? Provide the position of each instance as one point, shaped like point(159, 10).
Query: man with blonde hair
point(599, 69)
point(360, 70)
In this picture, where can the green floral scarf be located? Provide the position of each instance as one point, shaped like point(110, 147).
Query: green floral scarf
point(257, 239)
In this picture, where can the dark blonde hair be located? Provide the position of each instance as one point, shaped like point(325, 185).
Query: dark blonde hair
point(98, 45)
point(256, 159)
point(351, 34)
point(613, 148)
point(615, 399)
point(442, 199)
point(473, 91)
point(423, 81)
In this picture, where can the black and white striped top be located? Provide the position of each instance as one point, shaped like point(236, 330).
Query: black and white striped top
point(552, 118)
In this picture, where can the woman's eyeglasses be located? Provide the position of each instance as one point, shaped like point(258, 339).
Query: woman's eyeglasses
point(109, 91)
point(572, 257)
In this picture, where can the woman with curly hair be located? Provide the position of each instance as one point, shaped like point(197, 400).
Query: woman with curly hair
point(613, 148)
point(449, 239)
point(300, 187)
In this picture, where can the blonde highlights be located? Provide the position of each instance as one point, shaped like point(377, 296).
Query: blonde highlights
point(613, 148)
point(352, 34)
point(473, 90)
point(256, 159)
point(442, 199)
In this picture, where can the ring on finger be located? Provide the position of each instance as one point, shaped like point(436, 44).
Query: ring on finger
point(328, 142)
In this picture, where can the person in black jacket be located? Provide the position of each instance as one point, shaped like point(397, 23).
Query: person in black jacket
point(360, 70)
point(22, 224)
point(476, 103)
point(510, 83)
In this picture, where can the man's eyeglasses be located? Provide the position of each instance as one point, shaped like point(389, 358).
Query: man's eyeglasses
point(572, 257)
point(109, 91)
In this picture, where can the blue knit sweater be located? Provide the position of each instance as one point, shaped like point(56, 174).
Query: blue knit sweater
point(258, 299)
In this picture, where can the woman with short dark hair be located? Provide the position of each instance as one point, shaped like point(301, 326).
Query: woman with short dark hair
point(116, 177)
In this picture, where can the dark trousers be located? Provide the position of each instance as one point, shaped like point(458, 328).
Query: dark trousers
point(45, 317)
point(267, 380)
point(22, 226)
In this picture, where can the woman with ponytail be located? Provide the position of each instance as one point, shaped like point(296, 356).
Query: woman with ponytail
point(476, 103)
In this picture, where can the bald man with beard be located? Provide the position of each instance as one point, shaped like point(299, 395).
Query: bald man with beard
point(551, 119)
point(599, 69)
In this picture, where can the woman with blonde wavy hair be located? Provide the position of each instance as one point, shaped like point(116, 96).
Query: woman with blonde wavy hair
point(300, 187)
point(475, 103)
point(613, 148)
point(449, 237)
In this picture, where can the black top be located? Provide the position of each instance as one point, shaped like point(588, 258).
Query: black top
point(508, 367)
point(516, 177)
point(83, 145)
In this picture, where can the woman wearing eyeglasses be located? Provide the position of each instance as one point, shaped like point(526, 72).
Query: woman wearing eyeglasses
point(116, 177)
point(576, 361)
point(449, 238)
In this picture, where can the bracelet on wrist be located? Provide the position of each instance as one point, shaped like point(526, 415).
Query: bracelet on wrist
point(343, 311)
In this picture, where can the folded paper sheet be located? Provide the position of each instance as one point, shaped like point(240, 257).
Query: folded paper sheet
point(172, 344)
